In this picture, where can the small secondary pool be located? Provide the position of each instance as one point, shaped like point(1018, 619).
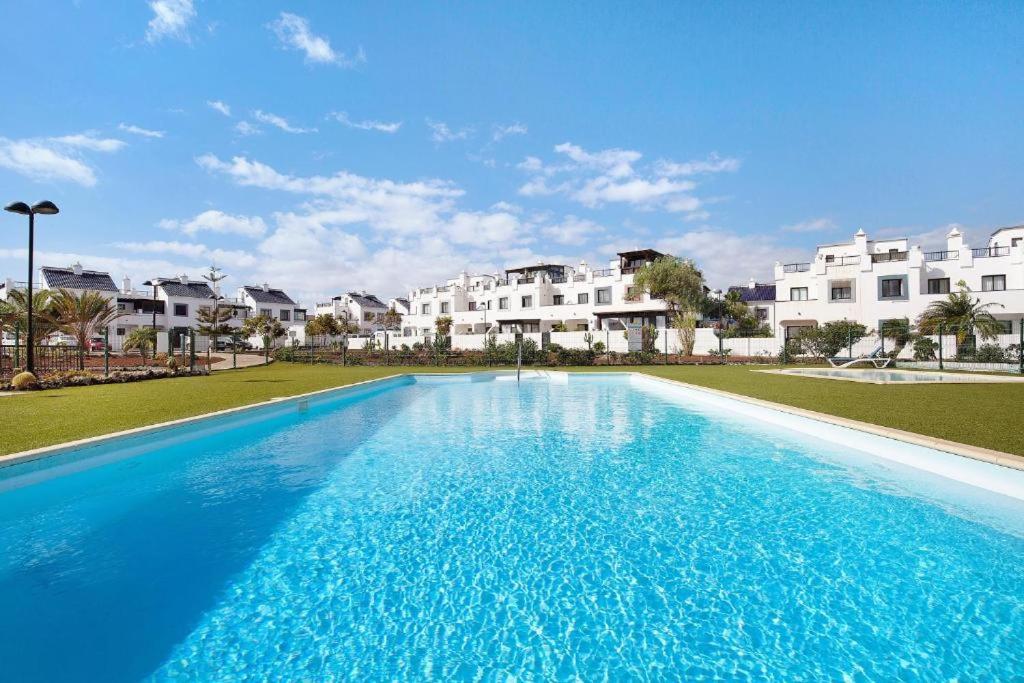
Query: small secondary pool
point(876, 376)
point(563, 528)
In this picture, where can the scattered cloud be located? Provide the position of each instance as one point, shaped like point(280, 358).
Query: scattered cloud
point(171, 19)
point(811, 225)
point(713, 164)
point(727, 258)
point(219, 222)
point(219, 106)
point(279, 122)
point(573, 230)
point(56, 158)
point(380, 126)
point(499, 131)
point(294, 33)
point(223, 257)
point(508, 207)
point(246, 128)
point(144, 132)
point(441, 132)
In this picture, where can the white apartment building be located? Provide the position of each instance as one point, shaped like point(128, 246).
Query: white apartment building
point(536, 298)
point(871, 281)
point(360, 308)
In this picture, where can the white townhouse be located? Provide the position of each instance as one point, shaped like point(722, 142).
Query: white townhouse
point(360, 308)
point(536, 298)
point(760, 300)
point(872, 281)
point(400, 305)
point(273, 303)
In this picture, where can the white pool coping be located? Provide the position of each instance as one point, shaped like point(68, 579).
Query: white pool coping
point(857, 375)
point(961, 462)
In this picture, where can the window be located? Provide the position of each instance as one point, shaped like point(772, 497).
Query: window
point(1016, 241)
point(633, 293)
point(603, 296)
point(892, 287)
point(300, 315)
point(119, 332)
point(527, 302)
point(444, 307)
point(583, 298)
point(181, 310)
point(761, 313)
point(472, 305)
point(1007, 326)
point(830, 258)
point(425, 309)
point(798, 294)
point(121, 306)
point(993, 283)
point(842, 293)
point(558, 300)
point(503, 303)
point(266, 312)
point(285, 315)
point(938, 285)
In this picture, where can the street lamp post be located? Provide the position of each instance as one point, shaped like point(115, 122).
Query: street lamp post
point(44, 208)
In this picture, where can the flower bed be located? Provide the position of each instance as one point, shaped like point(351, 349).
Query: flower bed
point(81, 378)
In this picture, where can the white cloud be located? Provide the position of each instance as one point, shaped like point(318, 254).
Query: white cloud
point(380, 126)
point(246, 128)
point(507, 207)
point(144, 132)
point(573, 230)
point(219, 106)
point(500, 131)
point(171, 19)
point(279, 122)
point(56, 158)
point(441, 132)
point(294, 33)
point(727, 258)
point(220, 222)
point(223, 257)
point(812, 225)
point(89, 141)
point(616, 163)
point(637, 191)
point(713, 164)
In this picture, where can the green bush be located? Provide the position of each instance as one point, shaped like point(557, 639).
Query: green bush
point(285, 353)
point(24, 380)
point(172, 363)
point(599, 347)
point(989, 353)
point(574, 356)
point(924, 349)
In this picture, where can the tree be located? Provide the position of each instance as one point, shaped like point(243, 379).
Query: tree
point(681, 285)
point(324, 325)
point(391, 320)
point(14, 314)
point(961, 314)
point(213, 321)
point(829, 339)
point(83, 316)
point(141, 339)
point(443, 325)
point(265, 327)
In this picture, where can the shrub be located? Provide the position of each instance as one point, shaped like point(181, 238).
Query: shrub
point(574, 356)
point(989, 353)
point(599, 347)
point(924, 349)
point(24, 380)
point(285, 353)
point(723, 354)
point(172, 363)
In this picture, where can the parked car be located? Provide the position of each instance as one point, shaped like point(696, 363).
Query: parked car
point(227, 344)
point(96, 344)
point(60, 339)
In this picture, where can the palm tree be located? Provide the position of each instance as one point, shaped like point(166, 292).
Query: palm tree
point(141, 338)
point(14, 314)
point(961, 314)
point(83, 316)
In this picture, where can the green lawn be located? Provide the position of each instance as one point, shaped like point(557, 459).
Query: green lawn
point(985, 415)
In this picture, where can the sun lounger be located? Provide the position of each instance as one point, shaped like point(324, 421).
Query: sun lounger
point(874, 358)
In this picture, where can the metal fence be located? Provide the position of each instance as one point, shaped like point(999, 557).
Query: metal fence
point(46, 359)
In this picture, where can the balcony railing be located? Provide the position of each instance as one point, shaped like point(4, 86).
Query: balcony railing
point(579, 278)
point(889, 257)
point(941, 255)
point(443, 289)
point(605, 272)
point(796, 267)
point(843, 261)
point(989, 252)
point(557, 279)
point(527, 280)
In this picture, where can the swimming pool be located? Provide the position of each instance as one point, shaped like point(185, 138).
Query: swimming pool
point(456, 528)
point(886, 376)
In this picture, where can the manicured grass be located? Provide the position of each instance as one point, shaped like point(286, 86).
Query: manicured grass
point(985, 415)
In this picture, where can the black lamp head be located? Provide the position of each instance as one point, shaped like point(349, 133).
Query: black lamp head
point(45, 208)
point(18, 207)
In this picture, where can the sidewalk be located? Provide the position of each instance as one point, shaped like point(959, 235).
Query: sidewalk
point(245, 360)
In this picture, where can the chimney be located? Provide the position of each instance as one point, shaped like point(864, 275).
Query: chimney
point(860, 241)
point(751, 284)
point(266, 287)
point(183, 279)
point(126, 285)
point(76, 269)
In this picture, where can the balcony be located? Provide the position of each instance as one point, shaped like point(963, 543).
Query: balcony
point(990, 252)
point(557, 280)
point(527, 280)
point(941, 255)
point(604, 272)
point(842, 261)
point(890, 257)
point(579, 278)
point(796, 268)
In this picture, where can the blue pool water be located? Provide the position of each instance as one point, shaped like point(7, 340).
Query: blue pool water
point(488, 530)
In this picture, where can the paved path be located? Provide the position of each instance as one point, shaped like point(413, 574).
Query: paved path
point(245, 360)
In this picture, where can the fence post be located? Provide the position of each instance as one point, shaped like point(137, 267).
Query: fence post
point(191, 350)
point(666, 346)
point(941, 326)
point(310, 349)
point(387, 349)
point(106, 351)
point(17, 346)
point(234, 351)
point(1020, 348)
point(849, 342)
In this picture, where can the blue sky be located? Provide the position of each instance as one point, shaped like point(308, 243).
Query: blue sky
point(331, 146)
